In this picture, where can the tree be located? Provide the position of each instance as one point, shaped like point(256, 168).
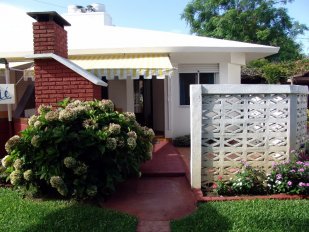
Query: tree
point(273, 72)
point(255, 21)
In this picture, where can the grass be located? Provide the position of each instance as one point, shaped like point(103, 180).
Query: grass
point(18, 214)
point(257, 215)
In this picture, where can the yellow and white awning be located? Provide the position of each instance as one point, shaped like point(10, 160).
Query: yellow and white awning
point(126, 65)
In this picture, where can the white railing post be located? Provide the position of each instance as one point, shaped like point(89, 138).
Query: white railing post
point(196, 135)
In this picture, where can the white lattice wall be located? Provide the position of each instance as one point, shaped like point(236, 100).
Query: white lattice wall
point(259, 124)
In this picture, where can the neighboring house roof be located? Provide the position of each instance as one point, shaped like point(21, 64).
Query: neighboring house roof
point(87, 75)
point(98, 39)
point(301, 78)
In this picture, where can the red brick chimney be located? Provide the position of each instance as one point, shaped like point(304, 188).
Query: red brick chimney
point(49, 35)
point(53, 80)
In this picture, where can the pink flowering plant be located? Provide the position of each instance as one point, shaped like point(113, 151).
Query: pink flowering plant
point(79, 150)
point(290, 177)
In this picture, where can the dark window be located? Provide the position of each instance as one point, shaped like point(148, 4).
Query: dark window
point(187, 79)
point(207, 78)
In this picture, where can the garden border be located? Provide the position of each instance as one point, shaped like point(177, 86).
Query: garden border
point(282, 196)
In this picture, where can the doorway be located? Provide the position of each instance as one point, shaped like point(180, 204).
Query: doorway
point(143, 101)
point(149, 103)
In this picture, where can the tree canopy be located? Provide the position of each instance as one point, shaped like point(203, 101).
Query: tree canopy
point(255, 21)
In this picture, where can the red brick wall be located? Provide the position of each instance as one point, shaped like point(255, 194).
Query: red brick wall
point(49, 37)
point(54, 82)
point(20, 124)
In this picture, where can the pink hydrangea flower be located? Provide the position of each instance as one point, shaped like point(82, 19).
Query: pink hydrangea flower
point(278, 176)
point(301, 170)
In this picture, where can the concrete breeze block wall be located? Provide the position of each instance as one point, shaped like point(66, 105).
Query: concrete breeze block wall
point(259, 124)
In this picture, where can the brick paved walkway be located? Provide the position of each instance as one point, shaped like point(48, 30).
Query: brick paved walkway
point(162, 194)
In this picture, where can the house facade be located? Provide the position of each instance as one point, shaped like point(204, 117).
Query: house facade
point(147, 72)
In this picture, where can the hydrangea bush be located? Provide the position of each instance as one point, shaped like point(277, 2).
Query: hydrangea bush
point(77, 150)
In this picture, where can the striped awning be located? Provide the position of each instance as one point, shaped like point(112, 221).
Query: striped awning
point(126, 65)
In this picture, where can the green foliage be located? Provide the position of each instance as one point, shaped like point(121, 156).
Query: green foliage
point(253, 216)
point(182, 141)
point(263, 22)
point(78, 150)
point(21, 215)
point(276, 72)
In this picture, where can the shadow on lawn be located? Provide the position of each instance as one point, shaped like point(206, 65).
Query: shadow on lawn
point(83, 218)
point(207, 220)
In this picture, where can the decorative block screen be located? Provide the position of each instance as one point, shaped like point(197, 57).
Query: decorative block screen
point(258, 124)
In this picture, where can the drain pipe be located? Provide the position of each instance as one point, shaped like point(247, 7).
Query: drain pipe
point(9, 106)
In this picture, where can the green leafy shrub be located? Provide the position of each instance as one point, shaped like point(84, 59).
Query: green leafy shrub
point(77, 150)
point(275, 73)
point(182, 141)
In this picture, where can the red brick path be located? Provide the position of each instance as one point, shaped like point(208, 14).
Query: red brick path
point(162, 194)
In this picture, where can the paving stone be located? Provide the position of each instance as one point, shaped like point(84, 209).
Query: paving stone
point(153, 226)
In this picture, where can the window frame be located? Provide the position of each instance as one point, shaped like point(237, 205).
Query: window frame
point(196, 81)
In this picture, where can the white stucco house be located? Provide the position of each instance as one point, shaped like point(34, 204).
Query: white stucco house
point(148, 72)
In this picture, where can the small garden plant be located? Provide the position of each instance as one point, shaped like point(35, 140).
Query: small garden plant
point(291, 177)
point(247, 181)
point(182, 141)
point(77, 150)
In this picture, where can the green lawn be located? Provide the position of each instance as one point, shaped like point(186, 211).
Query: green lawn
point(257, 215)
point(17, 214)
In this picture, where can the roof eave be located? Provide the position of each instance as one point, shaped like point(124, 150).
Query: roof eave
point(174, 49)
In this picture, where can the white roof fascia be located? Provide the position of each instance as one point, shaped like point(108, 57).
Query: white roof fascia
point(87, 75)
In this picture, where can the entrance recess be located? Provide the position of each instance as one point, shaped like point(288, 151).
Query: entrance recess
point(149, 103)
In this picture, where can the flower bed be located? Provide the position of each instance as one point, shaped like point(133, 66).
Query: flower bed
point(289, 177)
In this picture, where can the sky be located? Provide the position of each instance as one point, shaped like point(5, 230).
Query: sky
point(161, 15)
